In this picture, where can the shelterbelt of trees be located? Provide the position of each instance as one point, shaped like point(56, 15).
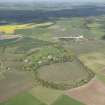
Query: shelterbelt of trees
point(54, 55)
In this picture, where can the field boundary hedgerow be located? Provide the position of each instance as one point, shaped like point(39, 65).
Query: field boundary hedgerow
point(58, 54)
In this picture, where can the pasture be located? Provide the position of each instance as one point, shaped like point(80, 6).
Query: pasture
point(23, 99)
point(95, 61)
point(46, 95)
point(65, 100)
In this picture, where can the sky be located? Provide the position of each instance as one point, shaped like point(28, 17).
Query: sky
point(53, 0)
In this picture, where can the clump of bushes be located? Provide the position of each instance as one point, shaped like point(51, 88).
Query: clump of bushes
point(103, 37)
point(49, 55)
point(46, 56)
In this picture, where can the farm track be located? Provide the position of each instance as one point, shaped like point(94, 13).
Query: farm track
point(10, 37)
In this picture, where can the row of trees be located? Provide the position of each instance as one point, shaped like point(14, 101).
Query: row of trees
point(63, 86)
point(67, 56)
point(41, 58)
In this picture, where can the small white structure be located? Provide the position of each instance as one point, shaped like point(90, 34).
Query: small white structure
point(71, 37)
point(40, 62)
point(50, 57)
point(26, 60)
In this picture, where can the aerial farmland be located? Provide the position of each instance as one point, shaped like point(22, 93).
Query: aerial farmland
point(52, 53)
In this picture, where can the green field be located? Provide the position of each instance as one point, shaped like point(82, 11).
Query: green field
point(90, 28)
point(23, 99)
point(40, 65)
point(46, 95)
point(65, 100)
point(95, 61)
point(28, 98)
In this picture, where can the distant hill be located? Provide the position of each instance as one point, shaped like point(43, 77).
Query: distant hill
point(46, 12)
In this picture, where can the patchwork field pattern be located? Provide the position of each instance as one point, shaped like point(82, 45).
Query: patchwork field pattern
point(90, 94)
point(95, 61)
point(65, 100)
point(46, 95)
point(37, 45)
point(23, 99)
point(10, 85)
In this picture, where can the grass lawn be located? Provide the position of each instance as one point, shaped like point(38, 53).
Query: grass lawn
point(23, 99)
point(65, 100)
point(46, 95)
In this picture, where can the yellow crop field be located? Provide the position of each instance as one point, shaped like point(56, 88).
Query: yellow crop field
point(10, 29)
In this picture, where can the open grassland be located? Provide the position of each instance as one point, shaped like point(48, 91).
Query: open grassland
point(65, 100)
point(23, 99)
point(46, 95)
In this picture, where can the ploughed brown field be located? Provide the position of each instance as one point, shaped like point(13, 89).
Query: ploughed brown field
point(10, 86)
point(92, 93)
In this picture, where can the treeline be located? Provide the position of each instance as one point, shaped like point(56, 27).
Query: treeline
point(66, 56)
point(43, 15)
point(72, 84)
